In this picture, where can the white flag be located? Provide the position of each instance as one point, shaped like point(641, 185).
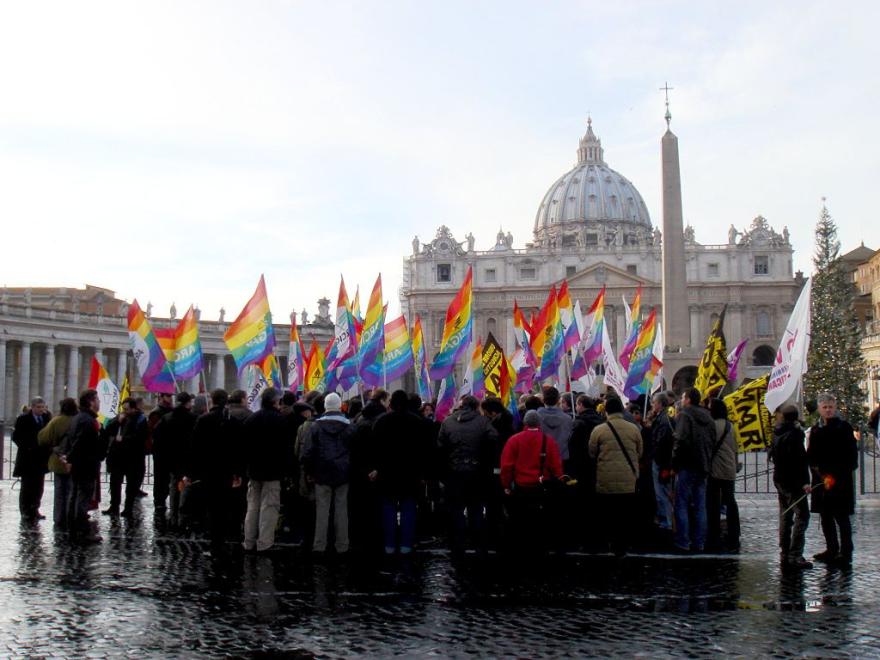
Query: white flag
point(791, 358)
point(255, 383)
point(615, 376)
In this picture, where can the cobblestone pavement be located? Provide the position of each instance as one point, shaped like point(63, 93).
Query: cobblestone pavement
point(143, 593)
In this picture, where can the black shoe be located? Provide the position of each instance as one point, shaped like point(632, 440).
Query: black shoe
point(110, 512)
point(844, 561)
point(127, 513)
point(827, 556)
point(40, 516)
point(799, 563)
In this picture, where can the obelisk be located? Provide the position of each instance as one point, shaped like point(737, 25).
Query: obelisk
point(676, 321)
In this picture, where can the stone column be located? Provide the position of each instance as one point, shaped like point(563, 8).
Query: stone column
point(121, 366)
point(220, 371)
point(675, 326)
point(2, 386)
point(49, 376)
point(73, 373)
point(24, 374)
point(694, 312)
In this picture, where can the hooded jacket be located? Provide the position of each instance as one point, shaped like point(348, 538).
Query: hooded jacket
point(557, 424)
point(467, 442)
point(694, 439)
point(264, 438)
point(327, 451)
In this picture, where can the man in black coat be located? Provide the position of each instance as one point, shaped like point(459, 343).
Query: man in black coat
point(171, 443)
point(161, 471)
point(265, 441)
point(791, 476)
point(401, 441)
point(86, 448)
point(127, 435)
point(833, 457)
point(31, 461)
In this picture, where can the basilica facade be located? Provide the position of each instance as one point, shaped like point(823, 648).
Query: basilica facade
point(593, 229)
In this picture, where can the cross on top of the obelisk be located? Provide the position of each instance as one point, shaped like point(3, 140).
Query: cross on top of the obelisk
point(666, 88)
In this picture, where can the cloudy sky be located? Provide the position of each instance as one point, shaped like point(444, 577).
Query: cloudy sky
point(173, 151)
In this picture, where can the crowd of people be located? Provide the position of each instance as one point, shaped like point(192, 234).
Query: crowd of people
point(376, 474)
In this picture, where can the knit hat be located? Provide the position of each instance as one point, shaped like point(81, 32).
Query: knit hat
point(332, 402)
point(532, 419)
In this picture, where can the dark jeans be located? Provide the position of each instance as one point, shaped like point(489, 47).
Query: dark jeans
point(793, 524)
point(407, 528)
point(530, 511)
point(618, 519)
point(466, 492)
point(31, 494)
point(82, 491)
point(161, 481)
point(134, 477)
point(719, 492)
point(832, 520)
point(63, 487)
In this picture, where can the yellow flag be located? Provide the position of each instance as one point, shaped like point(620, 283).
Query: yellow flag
point(712, 372)
point(124, 392)
point(752, 422)
point(492, 357)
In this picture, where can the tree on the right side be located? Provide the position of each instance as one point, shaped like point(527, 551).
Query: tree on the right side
point(835, 363)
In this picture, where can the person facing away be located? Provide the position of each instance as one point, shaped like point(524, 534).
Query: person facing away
point(127, 435)
point(161, 471)
point(833, 457)
point(401, 442)
point(691, 460)
point(616, 447)
point(466, 443)
point(51, 438)
point(326, 462)
point(85, 449)
point(171, 442)
point(31, 461)
point(662, 441)
point(791, 476)
point(265, 442)
point(556, 423)
point(722, 481)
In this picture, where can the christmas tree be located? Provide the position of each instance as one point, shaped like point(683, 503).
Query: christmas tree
point(835, 362)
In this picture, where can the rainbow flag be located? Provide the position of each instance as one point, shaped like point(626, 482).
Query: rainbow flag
point(507, 385)
point(108, 393)
point(445, 397)
point(295, 359)
point(181, 346)
point(566, 314)
point(457, 330)
point(148, 356)
point(251, 337)
point(592, 343)
point(521, 333)
point(398, 349)
point(633, 329)
point(637, 378)
point(271, 371)
point(356, 314)
point(373, 335)
point(554, 340)
point(346, 343)
point(423, 379)
point(315, 367)
point(474, 381)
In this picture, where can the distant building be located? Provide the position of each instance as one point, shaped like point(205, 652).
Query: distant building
point(867, 281)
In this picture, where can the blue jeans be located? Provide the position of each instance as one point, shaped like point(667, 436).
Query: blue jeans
point(407, 508)
point(63, 488)
point(690, 504)
point(663, 495)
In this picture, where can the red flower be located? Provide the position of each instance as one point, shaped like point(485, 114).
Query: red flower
point(828, 481)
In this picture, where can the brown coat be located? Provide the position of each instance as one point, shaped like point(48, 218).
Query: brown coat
point(613, 474)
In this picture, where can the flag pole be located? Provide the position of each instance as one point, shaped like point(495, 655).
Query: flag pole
point(568, 379)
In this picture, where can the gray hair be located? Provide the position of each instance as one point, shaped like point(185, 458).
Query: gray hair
point(532, 419)
point(826, 397)
point(661, 398)
point(37, 400)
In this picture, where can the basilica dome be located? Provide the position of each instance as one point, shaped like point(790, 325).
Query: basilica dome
point(591, 194)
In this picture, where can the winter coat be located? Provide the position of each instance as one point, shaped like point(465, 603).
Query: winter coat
point(126, 442)
point(833, 452)
point(467, 442)
point(579, 443)
point(663, 439)
point(50, 439)
point(363, 443)
point(724, 452)
point(694, 439)
point(86, 448)
point(613, 472)
point(217, 449)
point(30, 459)
point(327, 451)
point(791, 470)
point(557, 424)
point(172, 437)
point(503, 425)
point(402, 444)
point(521, 459)
point(153, 419)
point(265, 441)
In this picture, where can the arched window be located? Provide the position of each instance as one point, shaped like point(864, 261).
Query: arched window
point(490, 325)
point(762, 323)
point(763, 356)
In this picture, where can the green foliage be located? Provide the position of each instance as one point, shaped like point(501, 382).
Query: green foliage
point(835, 363)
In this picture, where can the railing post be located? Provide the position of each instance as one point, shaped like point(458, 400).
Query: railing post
point(862, 461)
point(2, 446)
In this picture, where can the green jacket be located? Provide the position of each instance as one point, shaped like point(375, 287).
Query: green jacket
point(50, 437)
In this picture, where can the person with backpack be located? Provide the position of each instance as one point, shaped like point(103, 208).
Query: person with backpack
point(721, 482)
point(52, 439)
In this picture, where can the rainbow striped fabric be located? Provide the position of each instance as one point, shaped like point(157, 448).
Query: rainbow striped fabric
point(634, 328)
point(251, 337)
point(592, 344)
point(445, 397)
point(181, 346)
point(638, 380)
point(295, 359)
point(566, 314)
point(423, 379)
point(398, 356)
point(148, 356)
point(108, 393)
point(373, 335)
point(457, 329)
point(551, 337)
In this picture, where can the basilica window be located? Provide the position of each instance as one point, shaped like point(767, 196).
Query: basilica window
point(569, 241)
point(762, 265)
point(490, 275)
point(762, 321)
point(570, 271)
point(491, 325)
point(632, 269)
point(591, 239)
point(527, 273)
point(444, 272)
point(712, 270)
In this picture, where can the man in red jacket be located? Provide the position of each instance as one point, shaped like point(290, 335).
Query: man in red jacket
point(530, 464)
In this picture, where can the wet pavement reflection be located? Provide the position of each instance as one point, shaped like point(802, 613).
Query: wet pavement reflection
point(145, 592)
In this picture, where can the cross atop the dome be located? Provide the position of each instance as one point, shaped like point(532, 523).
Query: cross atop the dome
point(668, 116)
